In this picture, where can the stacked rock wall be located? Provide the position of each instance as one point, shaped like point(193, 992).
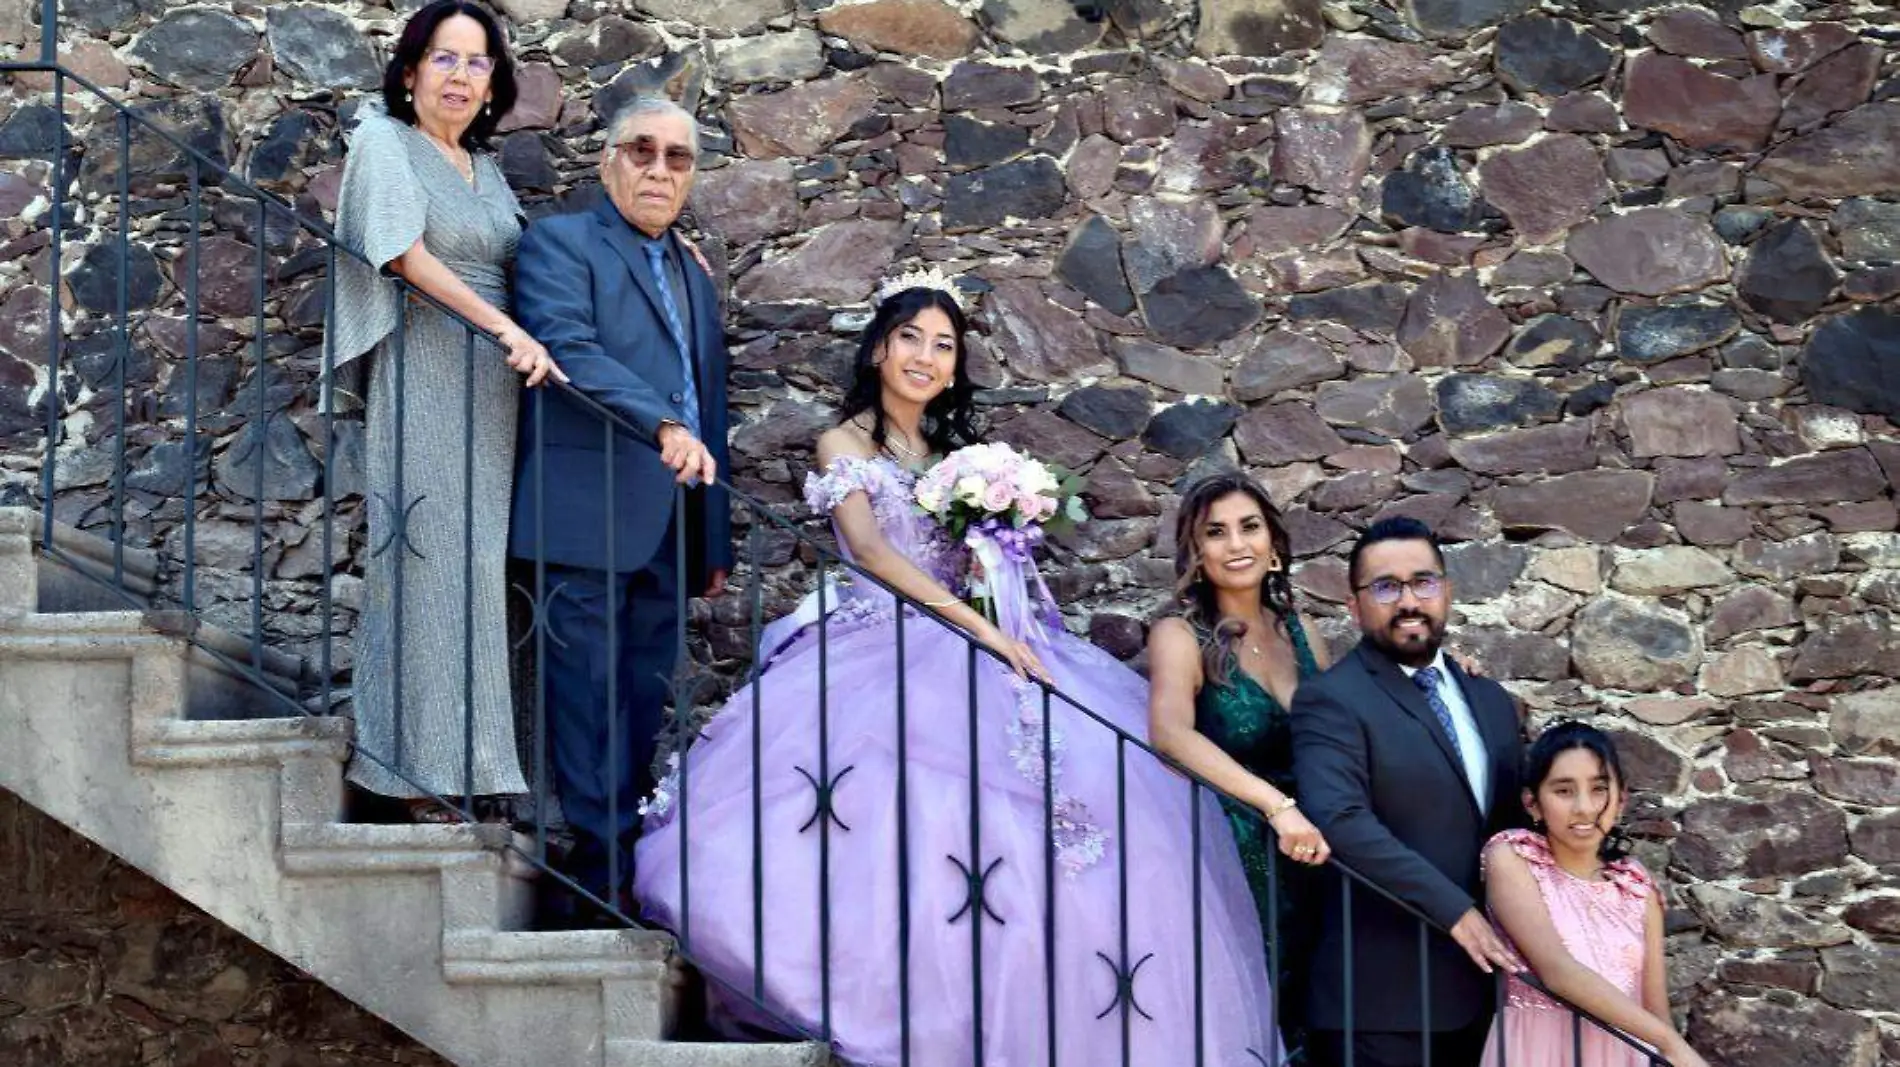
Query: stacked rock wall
point(100, 964)
point(1605, 290)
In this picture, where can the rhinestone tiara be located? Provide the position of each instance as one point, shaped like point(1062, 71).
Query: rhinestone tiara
point(923, 278)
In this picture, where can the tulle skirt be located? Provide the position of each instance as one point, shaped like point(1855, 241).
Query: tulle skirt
point(901, 893)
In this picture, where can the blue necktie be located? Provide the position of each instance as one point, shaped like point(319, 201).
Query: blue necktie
point(1427, 681)
point(656, 259)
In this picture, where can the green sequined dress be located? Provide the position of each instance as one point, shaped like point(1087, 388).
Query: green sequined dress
point(1248, 724)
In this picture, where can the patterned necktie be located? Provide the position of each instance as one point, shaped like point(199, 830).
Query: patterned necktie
point(1427, 681)
point(656, 259)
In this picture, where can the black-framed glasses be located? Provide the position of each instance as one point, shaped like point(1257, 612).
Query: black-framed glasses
point(445, 60)
point(642, 151)
point(1389, 590)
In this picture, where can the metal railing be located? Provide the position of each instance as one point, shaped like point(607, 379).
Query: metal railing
point(125, 511)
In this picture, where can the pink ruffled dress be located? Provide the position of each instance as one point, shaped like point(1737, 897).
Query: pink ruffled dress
point(1601, 923)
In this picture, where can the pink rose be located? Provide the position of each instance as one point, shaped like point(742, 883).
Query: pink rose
point(997, 497)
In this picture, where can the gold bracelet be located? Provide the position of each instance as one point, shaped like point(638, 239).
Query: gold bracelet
point(1282, 808)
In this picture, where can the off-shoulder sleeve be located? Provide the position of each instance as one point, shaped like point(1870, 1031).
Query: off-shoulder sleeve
point(845, 475)
point(1632, 877)
point(380, 213)
point(1528, 844)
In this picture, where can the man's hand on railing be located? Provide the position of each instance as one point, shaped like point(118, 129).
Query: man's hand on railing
point(689, 458)
point(716, 583)
point(527, 356)
point(1482, 943)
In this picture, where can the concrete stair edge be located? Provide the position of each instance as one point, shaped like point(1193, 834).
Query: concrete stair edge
point(623, 978)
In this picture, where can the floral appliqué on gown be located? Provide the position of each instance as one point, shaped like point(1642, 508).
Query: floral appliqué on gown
point(1601, 922)
point(1029, 946)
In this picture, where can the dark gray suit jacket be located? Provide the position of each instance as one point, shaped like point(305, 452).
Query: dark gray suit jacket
point(1380, 779)
point(584, 289)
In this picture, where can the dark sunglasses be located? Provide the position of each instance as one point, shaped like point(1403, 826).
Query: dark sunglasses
point(642, 151)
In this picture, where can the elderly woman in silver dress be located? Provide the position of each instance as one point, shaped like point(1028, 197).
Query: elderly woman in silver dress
point(421, 200)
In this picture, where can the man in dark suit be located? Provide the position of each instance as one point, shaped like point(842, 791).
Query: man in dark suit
point(634, 323)
point(1407, 765)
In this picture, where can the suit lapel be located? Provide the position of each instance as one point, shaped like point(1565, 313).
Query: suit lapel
point(620, 237)
point(1408, 696)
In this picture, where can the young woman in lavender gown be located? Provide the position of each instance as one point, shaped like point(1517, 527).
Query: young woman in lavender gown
point(1096, 913)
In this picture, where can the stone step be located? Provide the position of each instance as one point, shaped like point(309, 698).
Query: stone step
point(477, 956)
point(320, 849)
point(713, 1054)
point(232, 742)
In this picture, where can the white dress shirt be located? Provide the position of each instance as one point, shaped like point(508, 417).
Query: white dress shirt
point(1470, 741)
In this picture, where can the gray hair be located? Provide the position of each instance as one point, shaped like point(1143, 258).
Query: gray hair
point(651, 105)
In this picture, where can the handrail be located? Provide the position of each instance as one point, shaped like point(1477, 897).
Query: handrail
point(827, 555)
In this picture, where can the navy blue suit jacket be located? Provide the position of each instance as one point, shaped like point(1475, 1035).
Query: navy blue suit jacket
point(583, 288)
point(1378, 776)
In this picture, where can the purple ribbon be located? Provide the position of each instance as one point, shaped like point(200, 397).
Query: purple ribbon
point(1008, 556)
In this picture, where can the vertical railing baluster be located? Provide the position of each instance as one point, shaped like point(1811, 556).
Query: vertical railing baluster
point(976, 869)
point(1194, 897)
point(124, 349)
point(1345, 888)
point(543, 608)
point(823, 809)
point(260, 437)
point(468, 571)
point(1125, 967)
point(1051, 961)
point(49, 42)
point(615, 743)
point(194, 210)
point(398, 541)
point(682, 706)
point(328, 595)
point(1275, 1016)
point(756, 597)
point(55, 336)
point(1425, 993)
point(1500, 990)
point(1576, 1040)
point(903, 842)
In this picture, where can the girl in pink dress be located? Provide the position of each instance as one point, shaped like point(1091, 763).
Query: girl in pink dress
point(1584, 914)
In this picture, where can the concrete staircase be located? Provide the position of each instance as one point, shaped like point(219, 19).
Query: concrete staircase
point(112, 723)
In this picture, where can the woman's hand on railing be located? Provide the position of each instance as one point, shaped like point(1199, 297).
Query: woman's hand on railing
point(1300, 840)
point(1020, 656)
point(527, 356)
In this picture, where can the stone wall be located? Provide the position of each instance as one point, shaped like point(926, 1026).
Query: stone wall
point(101, 965)
point(1603, 289)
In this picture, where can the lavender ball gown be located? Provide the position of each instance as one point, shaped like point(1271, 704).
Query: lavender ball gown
point(1124, 862)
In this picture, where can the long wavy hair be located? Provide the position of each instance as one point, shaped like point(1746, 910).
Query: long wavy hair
point(1567, 735)
point(1194, 599)
point(414, 44)
point(950, 419)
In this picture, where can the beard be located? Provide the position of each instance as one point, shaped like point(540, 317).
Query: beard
point(1411, 648)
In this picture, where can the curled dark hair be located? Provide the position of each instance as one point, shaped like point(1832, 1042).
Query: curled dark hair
point(950, 419)
point(414, 44)
point(1568, 735)
point(1193, 598)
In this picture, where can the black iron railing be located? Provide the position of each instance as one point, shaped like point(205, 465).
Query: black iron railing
point(181, 575)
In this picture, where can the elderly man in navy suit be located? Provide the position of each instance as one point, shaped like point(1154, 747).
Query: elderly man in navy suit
point(1407, 765)
point(631, 317)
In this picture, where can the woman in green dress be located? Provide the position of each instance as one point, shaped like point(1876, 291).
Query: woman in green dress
point(1223, 663)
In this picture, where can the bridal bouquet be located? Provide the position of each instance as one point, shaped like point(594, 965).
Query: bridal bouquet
point(1001, 504)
